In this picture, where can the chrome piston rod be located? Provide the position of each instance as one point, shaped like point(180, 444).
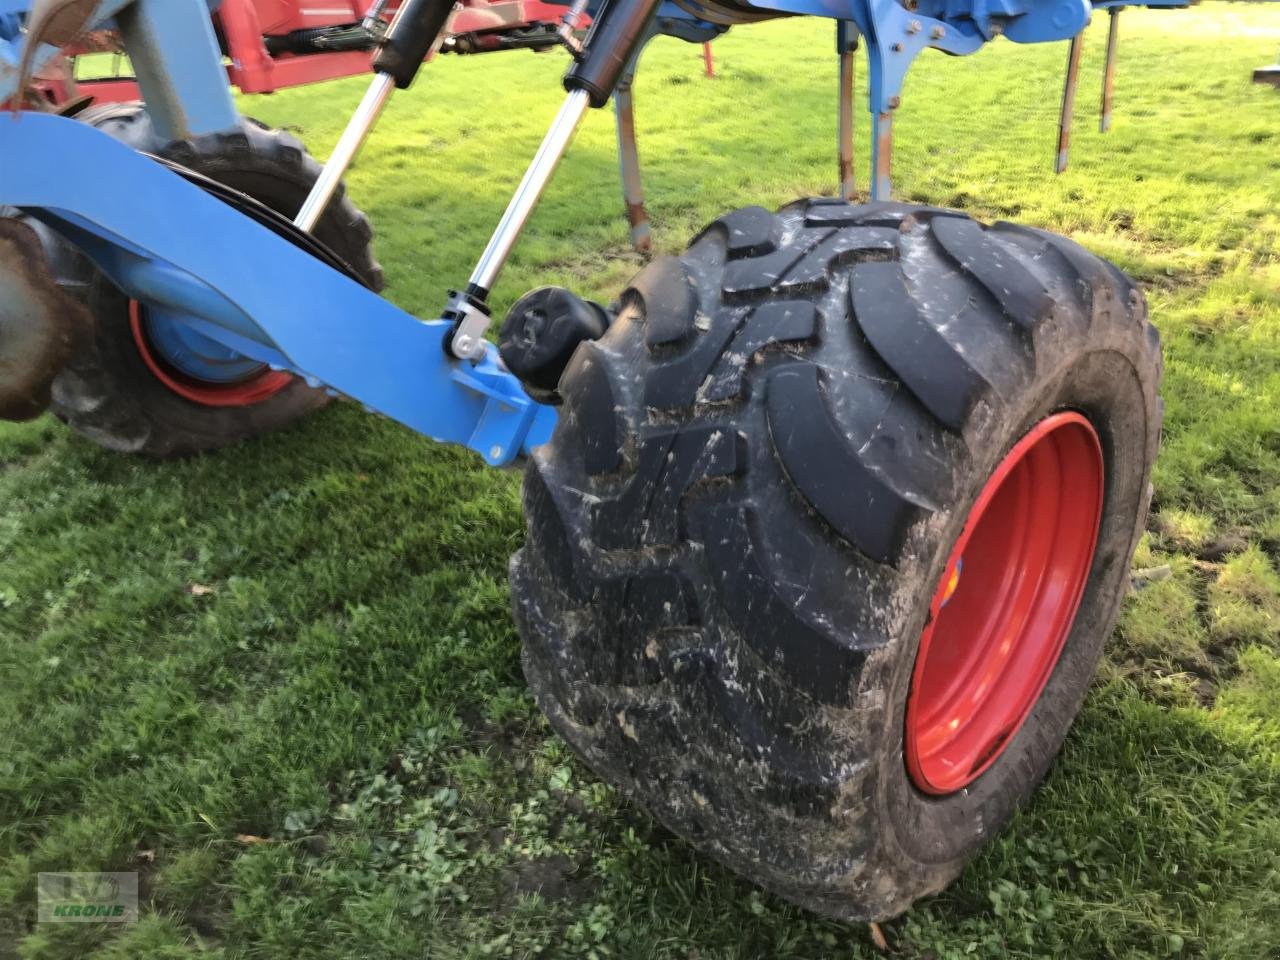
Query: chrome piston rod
point(554, 146)
point(416, 30)
point(468, 339)
point(353, 138)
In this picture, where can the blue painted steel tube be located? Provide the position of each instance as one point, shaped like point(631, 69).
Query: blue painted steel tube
point(176, 59)
point(239, 283)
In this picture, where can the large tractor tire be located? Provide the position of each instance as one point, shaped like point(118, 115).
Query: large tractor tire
point(135, 390)
point(824, 549)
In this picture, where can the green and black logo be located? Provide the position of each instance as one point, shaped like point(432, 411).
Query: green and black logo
point(88, 897)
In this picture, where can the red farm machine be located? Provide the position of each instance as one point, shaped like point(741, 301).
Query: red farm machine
point(828, 518)
point(270, 45)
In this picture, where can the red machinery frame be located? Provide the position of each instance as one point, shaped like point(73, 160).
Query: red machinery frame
point(252, 68)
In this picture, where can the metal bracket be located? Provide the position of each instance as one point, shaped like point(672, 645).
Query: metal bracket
point(472, 321)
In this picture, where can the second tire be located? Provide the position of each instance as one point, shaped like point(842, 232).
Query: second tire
point(130, 388)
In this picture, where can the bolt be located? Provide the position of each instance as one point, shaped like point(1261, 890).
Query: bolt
point(913, 28)
point(937, 33)
point(895, 103)
point(896, 48)
point(495, 452)
point(533, 326)
point(463, 345)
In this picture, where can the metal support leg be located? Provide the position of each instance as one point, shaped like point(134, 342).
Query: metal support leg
point(1068, 102)
point(846, 44)
point(174, 55)
point(708, 60)
point(882, 156)
point(1109, 71)
point(629, 163)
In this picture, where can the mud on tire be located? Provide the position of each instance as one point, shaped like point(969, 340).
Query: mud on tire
point(108, 392)
point(758, 475)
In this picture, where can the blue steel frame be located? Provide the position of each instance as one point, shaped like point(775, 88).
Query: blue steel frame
point(298, 314)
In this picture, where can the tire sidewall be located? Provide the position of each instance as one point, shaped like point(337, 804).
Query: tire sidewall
point(938, 834)
point(186, 426)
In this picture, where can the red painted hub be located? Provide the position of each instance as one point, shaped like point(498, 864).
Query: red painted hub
point(260, 384)
point(1005, 604)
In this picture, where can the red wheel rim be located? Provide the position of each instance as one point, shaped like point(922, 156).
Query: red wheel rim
point(259, 386)
point(1005, 604)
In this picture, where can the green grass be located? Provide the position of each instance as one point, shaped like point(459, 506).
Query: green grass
point(282, 684)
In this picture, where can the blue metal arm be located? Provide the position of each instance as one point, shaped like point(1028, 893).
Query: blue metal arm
point(242, 285)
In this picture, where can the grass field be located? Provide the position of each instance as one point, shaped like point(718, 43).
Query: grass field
point(281, 682)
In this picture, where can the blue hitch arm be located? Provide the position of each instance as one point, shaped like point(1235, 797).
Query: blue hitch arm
point(238, 283)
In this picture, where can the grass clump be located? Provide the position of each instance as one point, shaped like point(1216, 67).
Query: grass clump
point(1244, 601)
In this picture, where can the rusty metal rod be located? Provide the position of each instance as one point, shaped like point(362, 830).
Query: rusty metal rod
point(1068, 102)
point(1109, 70)
point(629, 164)
point(848, 68)
point(882, 156)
